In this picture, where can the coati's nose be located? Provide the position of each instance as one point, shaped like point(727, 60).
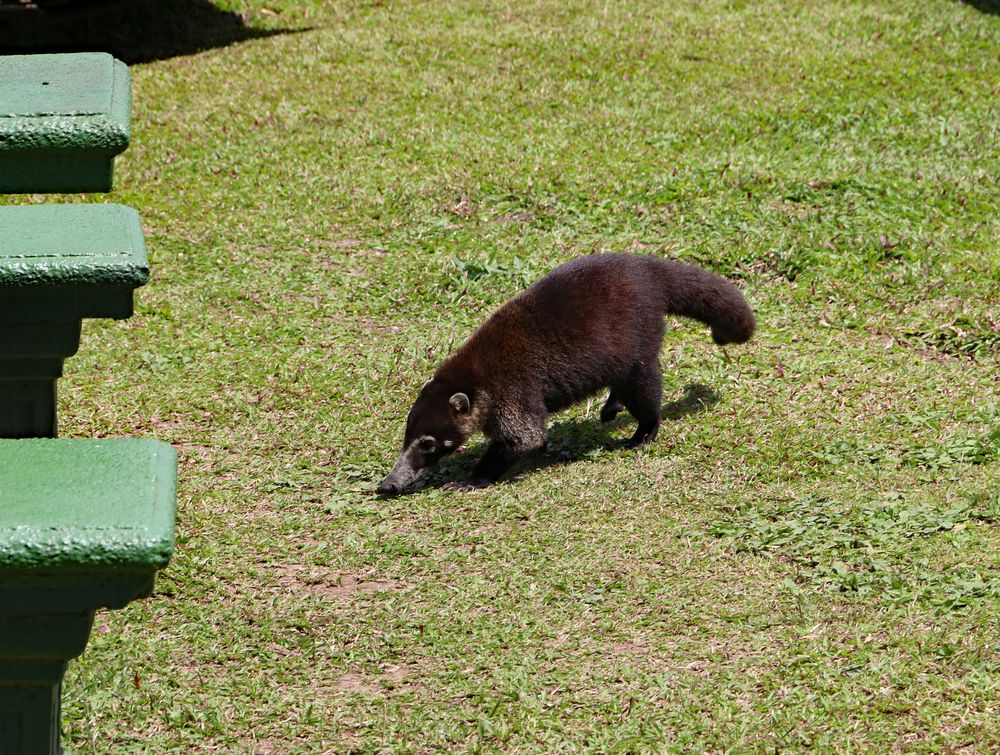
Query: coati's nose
point(388, 488)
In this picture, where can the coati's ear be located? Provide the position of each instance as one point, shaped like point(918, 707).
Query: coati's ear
point(459, 402)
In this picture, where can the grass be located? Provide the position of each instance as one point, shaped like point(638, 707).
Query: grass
point(806, 559)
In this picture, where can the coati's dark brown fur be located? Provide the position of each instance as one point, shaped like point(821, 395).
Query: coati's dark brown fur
point(593, 323)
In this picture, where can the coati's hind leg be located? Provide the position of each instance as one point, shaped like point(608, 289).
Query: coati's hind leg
point(642, 396)
point(611, 407)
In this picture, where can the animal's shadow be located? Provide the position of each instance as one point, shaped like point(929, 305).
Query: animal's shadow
point(985, 6)
point(134, 31)
point(570, 441)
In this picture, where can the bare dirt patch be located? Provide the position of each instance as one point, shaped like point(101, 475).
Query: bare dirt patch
point(356, 683)
point(314, 580)
point(390, 677)
point(639, 647)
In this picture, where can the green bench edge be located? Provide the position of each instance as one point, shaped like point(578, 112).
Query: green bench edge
point(112, 269)
point(109, 134)
point(33, 548)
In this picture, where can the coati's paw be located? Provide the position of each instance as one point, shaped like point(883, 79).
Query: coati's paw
point(464, 486)
point(612, 408)
point(608, 413)
point(641, 438)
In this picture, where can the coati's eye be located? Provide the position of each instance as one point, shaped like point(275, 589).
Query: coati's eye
point(427, 444)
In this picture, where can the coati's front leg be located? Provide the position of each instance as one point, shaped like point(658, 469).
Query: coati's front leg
point(516, 433)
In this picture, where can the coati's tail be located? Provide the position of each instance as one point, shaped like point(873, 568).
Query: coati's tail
point(694, 292)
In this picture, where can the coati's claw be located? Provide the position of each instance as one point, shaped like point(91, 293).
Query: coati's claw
point(642, 438)
point(464, 486)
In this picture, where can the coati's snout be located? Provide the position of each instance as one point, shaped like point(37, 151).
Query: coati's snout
point(433, 431)
point(417, 456)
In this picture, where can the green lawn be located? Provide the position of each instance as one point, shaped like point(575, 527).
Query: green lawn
point(808, 558)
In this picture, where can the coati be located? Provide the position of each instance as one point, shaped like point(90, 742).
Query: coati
point(592, 323)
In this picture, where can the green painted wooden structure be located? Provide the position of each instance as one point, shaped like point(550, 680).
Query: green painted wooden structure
point(84, 524)
point(63, 118)
point(58, 265)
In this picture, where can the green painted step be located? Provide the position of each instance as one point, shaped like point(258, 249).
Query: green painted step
point(63, 118)
point(58, 264)
point(84, 524)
